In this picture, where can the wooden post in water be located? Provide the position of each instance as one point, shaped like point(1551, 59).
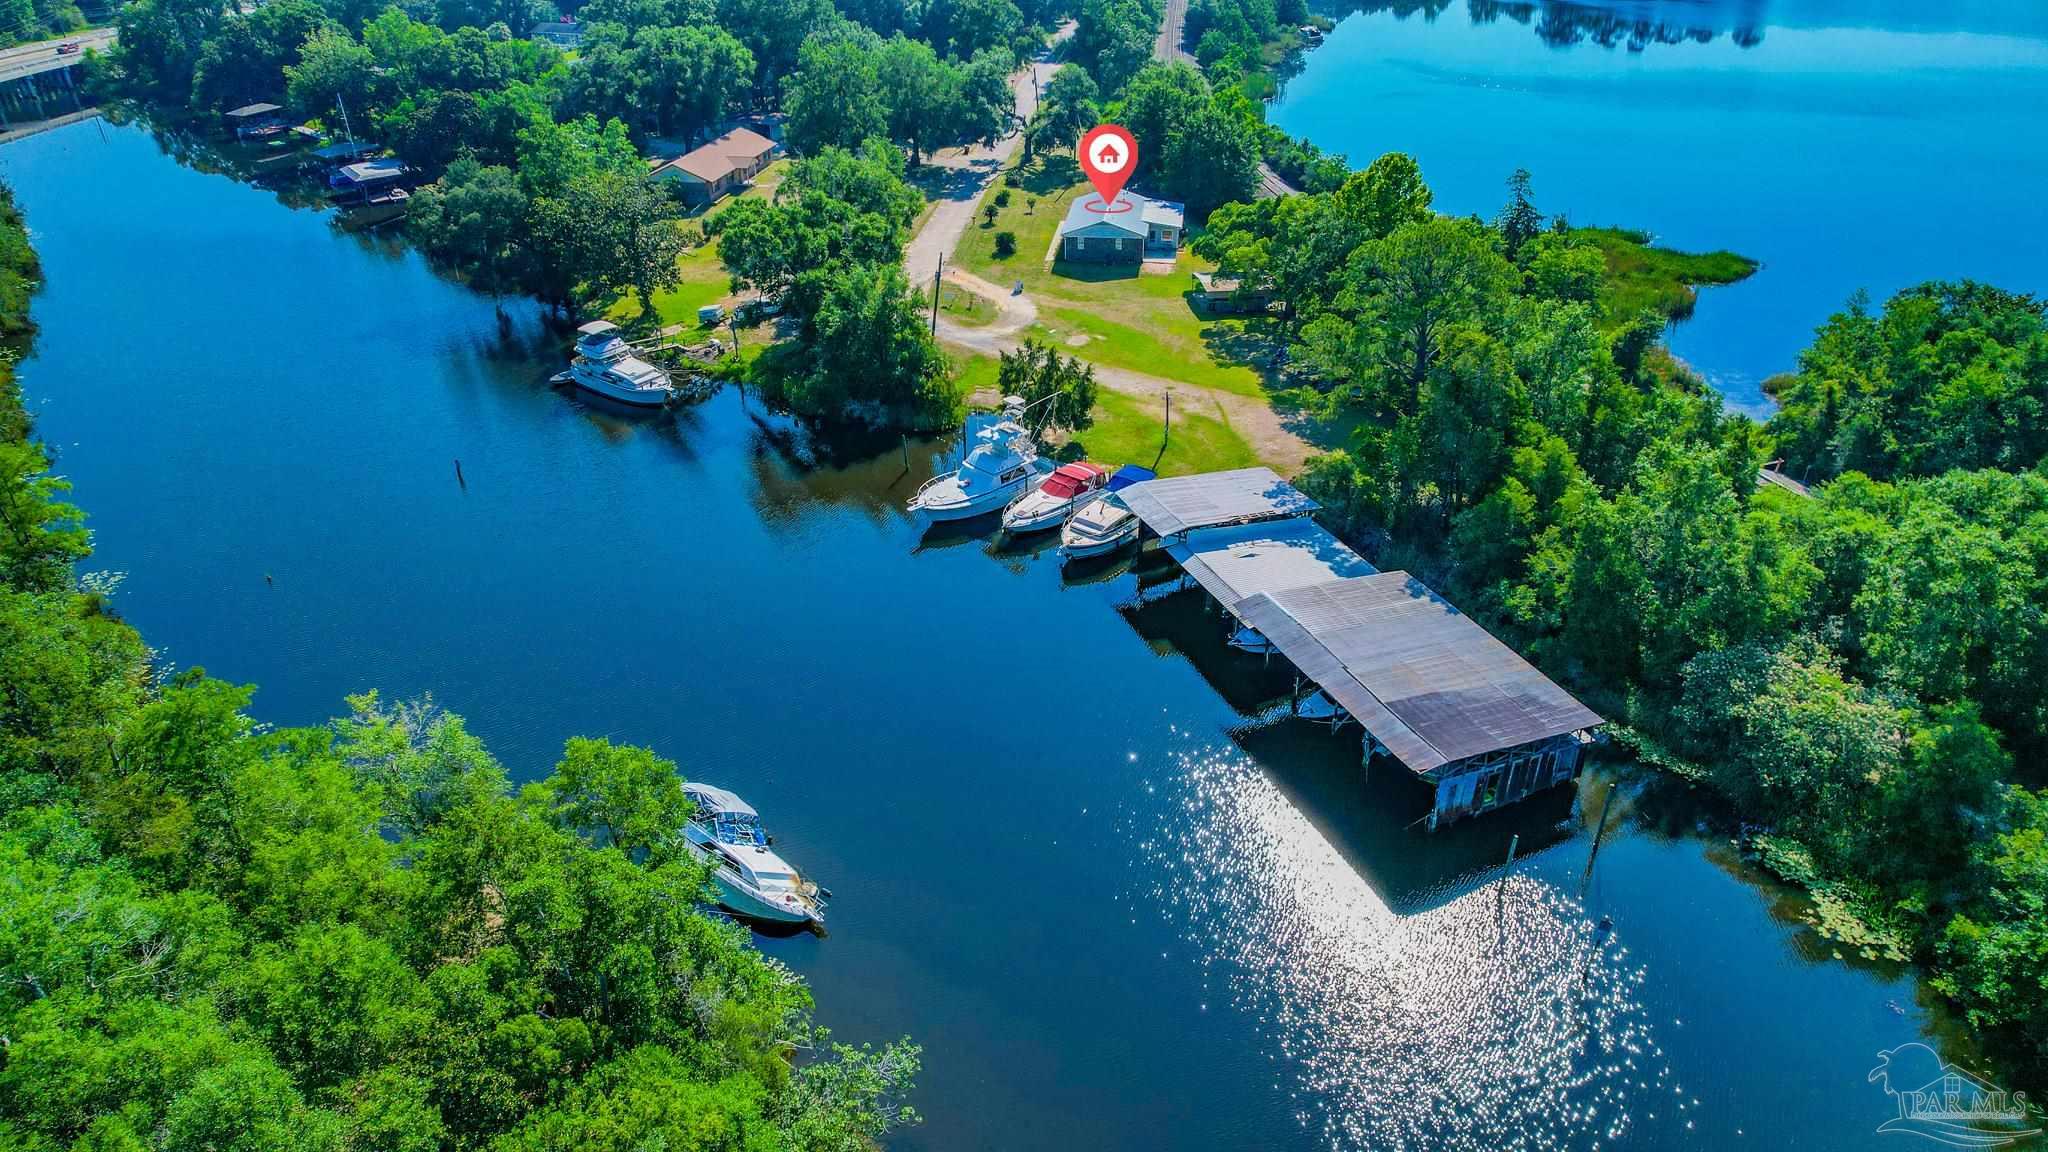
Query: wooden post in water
point(1500, 891)
point(1599, 833)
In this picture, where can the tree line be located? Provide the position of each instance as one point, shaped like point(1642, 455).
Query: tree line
point(27, 21)
point(1859, 670)
point(355, 936)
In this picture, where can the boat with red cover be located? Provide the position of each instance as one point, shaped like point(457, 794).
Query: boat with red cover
point(1049, 505)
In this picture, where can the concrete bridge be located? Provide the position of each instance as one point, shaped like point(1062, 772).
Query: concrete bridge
point(39, 83)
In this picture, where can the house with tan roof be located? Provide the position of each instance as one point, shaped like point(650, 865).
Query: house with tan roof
point(716, 170)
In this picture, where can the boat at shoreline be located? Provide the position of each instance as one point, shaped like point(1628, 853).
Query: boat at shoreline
point(1105, 524)
point(751, 880)
point(605, 364)
point(1003, 462)
point(1068, 488)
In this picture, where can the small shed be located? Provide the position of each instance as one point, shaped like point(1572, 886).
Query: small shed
point(1222, 292)
point(254, 119)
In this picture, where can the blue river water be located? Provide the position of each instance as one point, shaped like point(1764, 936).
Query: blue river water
point(1847, 146)
point(1118, 909)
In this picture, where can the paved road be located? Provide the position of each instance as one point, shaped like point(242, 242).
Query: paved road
point(29, 59)
point(1168, 48)
point(969, 172)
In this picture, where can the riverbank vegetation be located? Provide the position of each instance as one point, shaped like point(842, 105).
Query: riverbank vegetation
point(829, 246)
point(1858, 670)
point(1641, 276)
point(536, 156)
point(223, 935)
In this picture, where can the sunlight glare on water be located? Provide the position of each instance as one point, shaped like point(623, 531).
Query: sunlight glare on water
point(1500, 1018)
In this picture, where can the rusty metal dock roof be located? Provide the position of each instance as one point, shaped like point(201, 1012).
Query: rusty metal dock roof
point(1430, 685)
point(1210, 499)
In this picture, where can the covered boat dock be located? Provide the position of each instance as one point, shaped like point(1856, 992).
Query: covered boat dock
point(1178, 505)
point(1458, 709)
point(1443, 697)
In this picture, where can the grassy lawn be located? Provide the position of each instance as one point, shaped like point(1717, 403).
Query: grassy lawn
point(1126, 428)
point(1113, 316)
point(1641, 275)
point(1126, 431)
point(703, 277)
point(964, 307)
point(975, 372)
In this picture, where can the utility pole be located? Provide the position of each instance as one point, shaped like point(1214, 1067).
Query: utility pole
point(936, 273)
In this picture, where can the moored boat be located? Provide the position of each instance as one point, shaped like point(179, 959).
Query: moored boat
point(1048, 505)
point(1003, 463)
point(751, 880)
point(605, 364)
point(1105, 524)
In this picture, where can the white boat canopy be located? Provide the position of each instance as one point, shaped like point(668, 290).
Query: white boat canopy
point(598, 327)
point(717, 800)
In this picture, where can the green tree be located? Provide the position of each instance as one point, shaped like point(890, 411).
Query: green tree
point(476, 221)
point(630, 795)
point(1113, 39)
point(1519, 222)
point(334, 69)
point(1058, 391)
point(1070, 107)
point(868, 355)
point(836, 98)
point(245, 57)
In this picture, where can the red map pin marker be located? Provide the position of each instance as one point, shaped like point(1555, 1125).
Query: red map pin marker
point(1108, 156)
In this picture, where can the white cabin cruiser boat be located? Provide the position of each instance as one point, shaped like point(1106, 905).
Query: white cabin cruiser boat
point(752, 881)
point(1069, 487)
point(1003, 462)
point(1106, 523)
point(605, 364)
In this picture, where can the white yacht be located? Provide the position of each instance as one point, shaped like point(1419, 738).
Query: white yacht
point(605, 364)
point(1106, 523)
point(1069, 487)
point(1002, 463)
point(752, 881)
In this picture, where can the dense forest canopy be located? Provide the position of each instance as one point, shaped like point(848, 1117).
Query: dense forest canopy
point(219, 935)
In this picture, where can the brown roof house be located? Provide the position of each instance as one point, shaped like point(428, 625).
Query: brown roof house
point(718, 169)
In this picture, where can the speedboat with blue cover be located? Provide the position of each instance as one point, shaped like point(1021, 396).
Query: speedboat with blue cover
point(1106, 524)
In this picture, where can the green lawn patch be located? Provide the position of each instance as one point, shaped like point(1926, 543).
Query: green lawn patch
point(973, 371)
point(1641, 275)
point(964, 307)
point(1127, 431)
